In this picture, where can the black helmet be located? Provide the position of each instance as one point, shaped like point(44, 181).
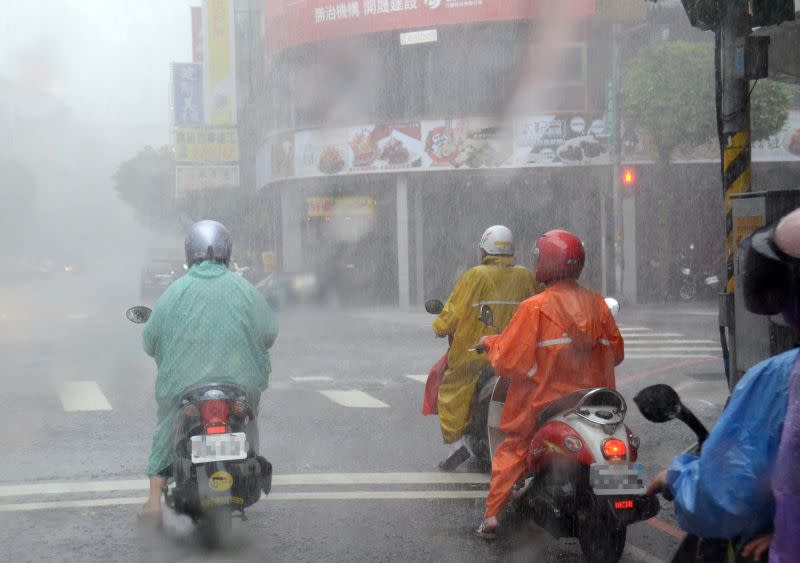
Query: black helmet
point(771, 273)
point(208, 240)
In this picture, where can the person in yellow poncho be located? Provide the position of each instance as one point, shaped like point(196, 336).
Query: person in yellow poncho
point(498, 282)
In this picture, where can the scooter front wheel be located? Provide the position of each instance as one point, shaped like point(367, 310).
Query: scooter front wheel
point(687, 291)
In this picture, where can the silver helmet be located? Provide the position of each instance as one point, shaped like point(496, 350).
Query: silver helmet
point(208, 240)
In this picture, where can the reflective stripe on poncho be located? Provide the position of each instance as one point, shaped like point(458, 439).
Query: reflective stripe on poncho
point(210, 325)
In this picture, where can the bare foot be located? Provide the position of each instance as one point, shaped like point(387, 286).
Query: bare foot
point(488, 528)
point(150, 510)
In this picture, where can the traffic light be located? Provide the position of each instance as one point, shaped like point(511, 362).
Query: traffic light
point(628, 177)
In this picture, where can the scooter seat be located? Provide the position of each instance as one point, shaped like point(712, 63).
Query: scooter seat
point(560, 405)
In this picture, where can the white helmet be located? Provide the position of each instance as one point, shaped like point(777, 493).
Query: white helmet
point(498, 240)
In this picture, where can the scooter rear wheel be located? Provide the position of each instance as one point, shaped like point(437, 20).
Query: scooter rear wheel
point(215, 526)
point(601, 537)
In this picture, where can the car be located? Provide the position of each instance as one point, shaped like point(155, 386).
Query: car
point(158, 274)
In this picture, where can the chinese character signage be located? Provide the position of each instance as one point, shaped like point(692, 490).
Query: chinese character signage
point(195, 178)
point(219, 62)
point(295, 22)
point(206, 144)
point(187, 93)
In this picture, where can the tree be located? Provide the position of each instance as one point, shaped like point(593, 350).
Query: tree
point(147, 183)
point(668, 93)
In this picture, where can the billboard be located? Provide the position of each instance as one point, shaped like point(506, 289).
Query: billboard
point(294, 22)
point(206, 177)
point(187, 93)
point(219, 62)
point(206, 144)
point(197, 35)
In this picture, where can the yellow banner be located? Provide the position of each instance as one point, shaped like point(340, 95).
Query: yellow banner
point(219, 61)
point(349, 206)
point(206, 144)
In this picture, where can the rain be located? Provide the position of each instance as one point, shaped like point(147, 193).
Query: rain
point(396, 280)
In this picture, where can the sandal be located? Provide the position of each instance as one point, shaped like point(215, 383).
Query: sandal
point(487, 533)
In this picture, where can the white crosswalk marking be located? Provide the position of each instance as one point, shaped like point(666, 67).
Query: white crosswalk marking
point(311, 378)
point(420, 378)
point(82, 396)
point(354, 399)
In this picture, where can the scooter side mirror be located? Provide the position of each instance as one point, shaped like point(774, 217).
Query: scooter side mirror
point(487, 316)
point(659, 403)
point(434, 306)
point(138, 314)
point(613, 305)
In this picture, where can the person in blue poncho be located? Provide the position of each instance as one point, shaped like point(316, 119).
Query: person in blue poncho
point(727, 491)
point(210, 325)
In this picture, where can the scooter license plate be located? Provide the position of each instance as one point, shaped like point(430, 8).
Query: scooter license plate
point(617, 478)
point(219, 447)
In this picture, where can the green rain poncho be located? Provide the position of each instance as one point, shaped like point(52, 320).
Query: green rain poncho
point(210, 325)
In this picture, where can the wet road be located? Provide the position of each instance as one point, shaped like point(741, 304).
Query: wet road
point(355, 462)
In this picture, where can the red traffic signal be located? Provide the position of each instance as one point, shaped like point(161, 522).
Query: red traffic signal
point(628, 177)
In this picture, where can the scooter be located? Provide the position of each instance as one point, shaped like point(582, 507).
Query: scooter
point(217, 470)
point(693, 279)
point(660, 403)
point(476, 434)
point(582, 478)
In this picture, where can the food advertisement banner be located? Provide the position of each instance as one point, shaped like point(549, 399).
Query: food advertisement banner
point(294, 22)
point(195, 178)
point(366, 148)
point(350, 206)
point(187, 93)
point(206, 144)
point(219, 62)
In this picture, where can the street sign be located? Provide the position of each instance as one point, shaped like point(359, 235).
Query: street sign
point(611, 114)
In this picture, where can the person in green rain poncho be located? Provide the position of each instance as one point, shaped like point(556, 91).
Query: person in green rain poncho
point(209, 326)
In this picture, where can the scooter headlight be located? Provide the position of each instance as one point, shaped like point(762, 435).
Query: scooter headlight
point(686, 271)
point(573, 444)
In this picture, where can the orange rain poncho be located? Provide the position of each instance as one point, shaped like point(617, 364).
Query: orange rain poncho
point(562, 340)
point(500, 284)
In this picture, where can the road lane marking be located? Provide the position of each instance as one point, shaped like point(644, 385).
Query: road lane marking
point(650, 348)
point(319, 495)
point(634, 329)
point(659, 340)
point(388, 478)
point(354, 399)
point(307, 378)
point(666, 528)
point(663, 369)
point(420, 378)
point(668, 356)
point(642, 555)
point(82, 396)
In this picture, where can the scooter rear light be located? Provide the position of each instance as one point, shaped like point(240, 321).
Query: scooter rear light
point(573, 444)
point(615, 449)
point(214, 412)
point(216, 429)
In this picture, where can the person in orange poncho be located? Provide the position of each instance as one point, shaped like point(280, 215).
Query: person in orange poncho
point(559, 341)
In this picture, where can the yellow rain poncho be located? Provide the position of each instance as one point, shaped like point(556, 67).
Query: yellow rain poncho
point(500, 284)
point(211, 325)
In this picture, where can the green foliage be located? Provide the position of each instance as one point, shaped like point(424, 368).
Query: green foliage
point(769, 108)
point(147, 183)
point(668, 92)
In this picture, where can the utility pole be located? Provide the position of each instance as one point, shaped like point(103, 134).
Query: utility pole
point(734, 135)
point(734, 28)
point(616, 158)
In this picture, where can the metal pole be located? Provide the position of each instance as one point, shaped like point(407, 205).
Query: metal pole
point(734, 123)
point(603, 236)
point(616, 159)
point(419, 246)
point(403, 278)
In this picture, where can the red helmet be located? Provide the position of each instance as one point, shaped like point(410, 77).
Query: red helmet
point(558, 255)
